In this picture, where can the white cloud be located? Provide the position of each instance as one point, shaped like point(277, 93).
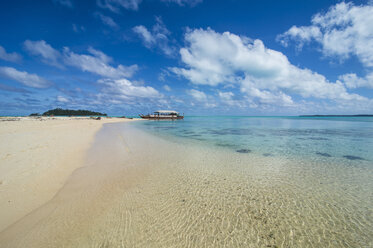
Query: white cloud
point(115, 87)
point(123, 89)
point(202, 100)
point(303, 34)
point(31, 80)
point(11, 57)
point(100, 55)
point(226, 96)
point(97, 63)
point(213, 58)
point(48, 54)
point(268, 97)
point(146, 36)
point(166, 87)
point(344, 30)
point(67, 3)
point(115, 5)
point(352, 81)
point(197, 95)
point(157, 37)
point(62, 99)
point(107, 20)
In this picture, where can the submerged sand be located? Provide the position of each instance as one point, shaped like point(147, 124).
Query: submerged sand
point(137, 190)
point(37, 155)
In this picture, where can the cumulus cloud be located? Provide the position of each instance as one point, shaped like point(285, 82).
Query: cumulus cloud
point(268, 97)
point(264, 74)
point(201, 99)
point(46, 52)
point(11, 57)
point(25, 78)
point(115, 5)
point(166, 87)
point(66, 3)
point(303, 34)
point(197, 95)
point(124, 89)
point(107, 20)
point(344, 30)
point(353, 81)
point(115, 87)
point(156, 37)
point(227, 98)
point(97, 63)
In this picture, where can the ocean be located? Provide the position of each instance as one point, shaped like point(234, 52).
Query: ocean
point(308, 179)
point(346, 140)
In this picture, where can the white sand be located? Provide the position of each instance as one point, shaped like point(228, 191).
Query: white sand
point(36, 158)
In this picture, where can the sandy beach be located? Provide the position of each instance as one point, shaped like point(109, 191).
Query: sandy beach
point(37, 156)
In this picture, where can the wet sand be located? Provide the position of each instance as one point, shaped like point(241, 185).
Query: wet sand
point(37, 155)
point(141, 191)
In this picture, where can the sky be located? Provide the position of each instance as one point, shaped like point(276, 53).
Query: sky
point(198, 57)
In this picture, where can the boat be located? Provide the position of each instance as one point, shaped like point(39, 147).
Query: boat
point(163, 115)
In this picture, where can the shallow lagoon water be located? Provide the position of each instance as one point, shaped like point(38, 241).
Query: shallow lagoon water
point(322, 166)
point(339, 138)
point(153, 184)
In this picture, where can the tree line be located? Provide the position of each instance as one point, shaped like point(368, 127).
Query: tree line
point(69, 112)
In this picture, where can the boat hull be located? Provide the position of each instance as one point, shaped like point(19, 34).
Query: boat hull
point(161, 117)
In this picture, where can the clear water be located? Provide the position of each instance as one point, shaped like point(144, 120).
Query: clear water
point(342, 139)
point(215, 182)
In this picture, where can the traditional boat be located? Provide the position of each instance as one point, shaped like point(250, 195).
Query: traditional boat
point(163, 115)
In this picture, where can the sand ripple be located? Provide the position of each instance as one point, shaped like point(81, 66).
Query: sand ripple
point(153, 193)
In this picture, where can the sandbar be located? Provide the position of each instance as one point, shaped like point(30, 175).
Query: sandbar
point(37, 155)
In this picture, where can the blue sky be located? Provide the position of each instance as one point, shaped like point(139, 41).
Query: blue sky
point(200, 57)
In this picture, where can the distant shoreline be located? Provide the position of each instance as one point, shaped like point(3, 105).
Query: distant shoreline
point(335, 115)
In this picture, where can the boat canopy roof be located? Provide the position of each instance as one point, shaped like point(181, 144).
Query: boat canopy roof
point(166, 112)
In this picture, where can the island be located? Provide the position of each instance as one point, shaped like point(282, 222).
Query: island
point(69, 112)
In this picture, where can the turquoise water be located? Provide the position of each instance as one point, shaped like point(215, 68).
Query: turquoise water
point(343, 139)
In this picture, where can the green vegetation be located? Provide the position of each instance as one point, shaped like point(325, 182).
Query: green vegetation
point(35, 114)
point(69, 112)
